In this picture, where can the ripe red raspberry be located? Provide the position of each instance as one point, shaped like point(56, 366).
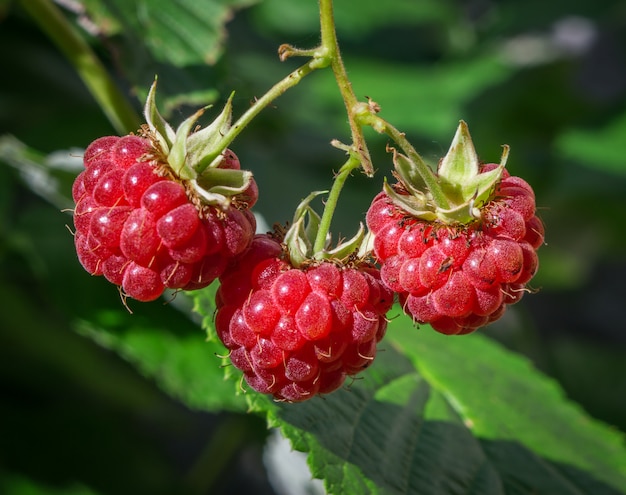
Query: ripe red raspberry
point(147, 221)
point(458, 274)
point(299, 332)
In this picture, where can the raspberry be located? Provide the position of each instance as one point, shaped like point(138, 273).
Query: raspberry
point(457, 273)
point(299, 332)
point(163, 209)
point(137, 226)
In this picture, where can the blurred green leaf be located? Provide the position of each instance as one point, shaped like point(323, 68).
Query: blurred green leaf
point(353, 21)
point(187, 367)
point(48, 176)
point(426, 100)
point(19, 485)
point(177, 32)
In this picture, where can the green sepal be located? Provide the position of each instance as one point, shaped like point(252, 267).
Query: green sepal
point(301, 234)
point(408, 172)
point(304, 207)
point(460, 164)
point(210, 197)
point(415, 205)
point(221, 184)
point(178, 157)
point(161, 130)
point(463, 187)
point(187, 151)
point(461, 181)
point(345, 249)
point(203, 145)
point(298, 245)
point(367, 245)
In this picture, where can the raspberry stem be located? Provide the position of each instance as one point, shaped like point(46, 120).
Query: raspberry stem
point(274, 92)
point(331, 47)
point(351, 164)
point(366, 116)
point(113, 103)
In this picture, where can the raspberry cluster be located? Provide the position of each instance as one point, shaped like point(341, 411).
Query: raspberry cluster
point(144, 229)
point(459, 277)
point(298, 332)
point(171, 209)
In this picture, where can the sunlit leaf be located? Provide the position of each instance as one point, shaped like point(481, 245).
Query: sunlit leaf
point(438, 414)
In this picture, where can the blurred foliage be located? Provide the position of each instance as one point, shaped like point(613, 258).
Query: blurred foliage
point(81, 407)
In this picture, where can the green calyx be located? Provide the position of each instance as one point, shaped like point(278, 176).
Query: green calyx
point(187, 150)
point(462, 189)
point(301, 235)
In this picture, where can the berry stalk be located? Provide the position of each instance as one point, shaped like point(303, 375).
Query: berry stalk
point(366, 116)
point(351, 164)
point(274, 92)
point(113, 103)
point(331, 47)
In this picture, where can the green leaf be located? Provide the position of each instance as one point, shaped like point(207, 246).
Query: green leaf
point(48, 176)
point(177, 32)
point(187, 367)
point(441, 415)
point(501, 397)
point(17, 484)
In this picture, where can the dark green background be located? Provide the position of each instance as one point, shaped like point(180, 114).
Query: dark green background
point(547, 78)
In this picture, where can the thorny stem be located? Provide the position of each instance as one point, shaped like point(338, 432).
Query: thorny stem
point(351, 164)
point(277, 90)
point(113, 103)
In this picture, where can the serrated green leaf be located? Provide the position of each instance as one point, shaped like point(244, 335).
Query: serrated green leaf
point(442, 415)
point(176, 32)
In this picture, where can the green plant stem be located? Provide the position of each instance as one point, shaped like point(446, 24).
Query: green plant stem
point(116, 107)
point(367, 117)
point(330, 48)
point(277, 90)
point(351, 164)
